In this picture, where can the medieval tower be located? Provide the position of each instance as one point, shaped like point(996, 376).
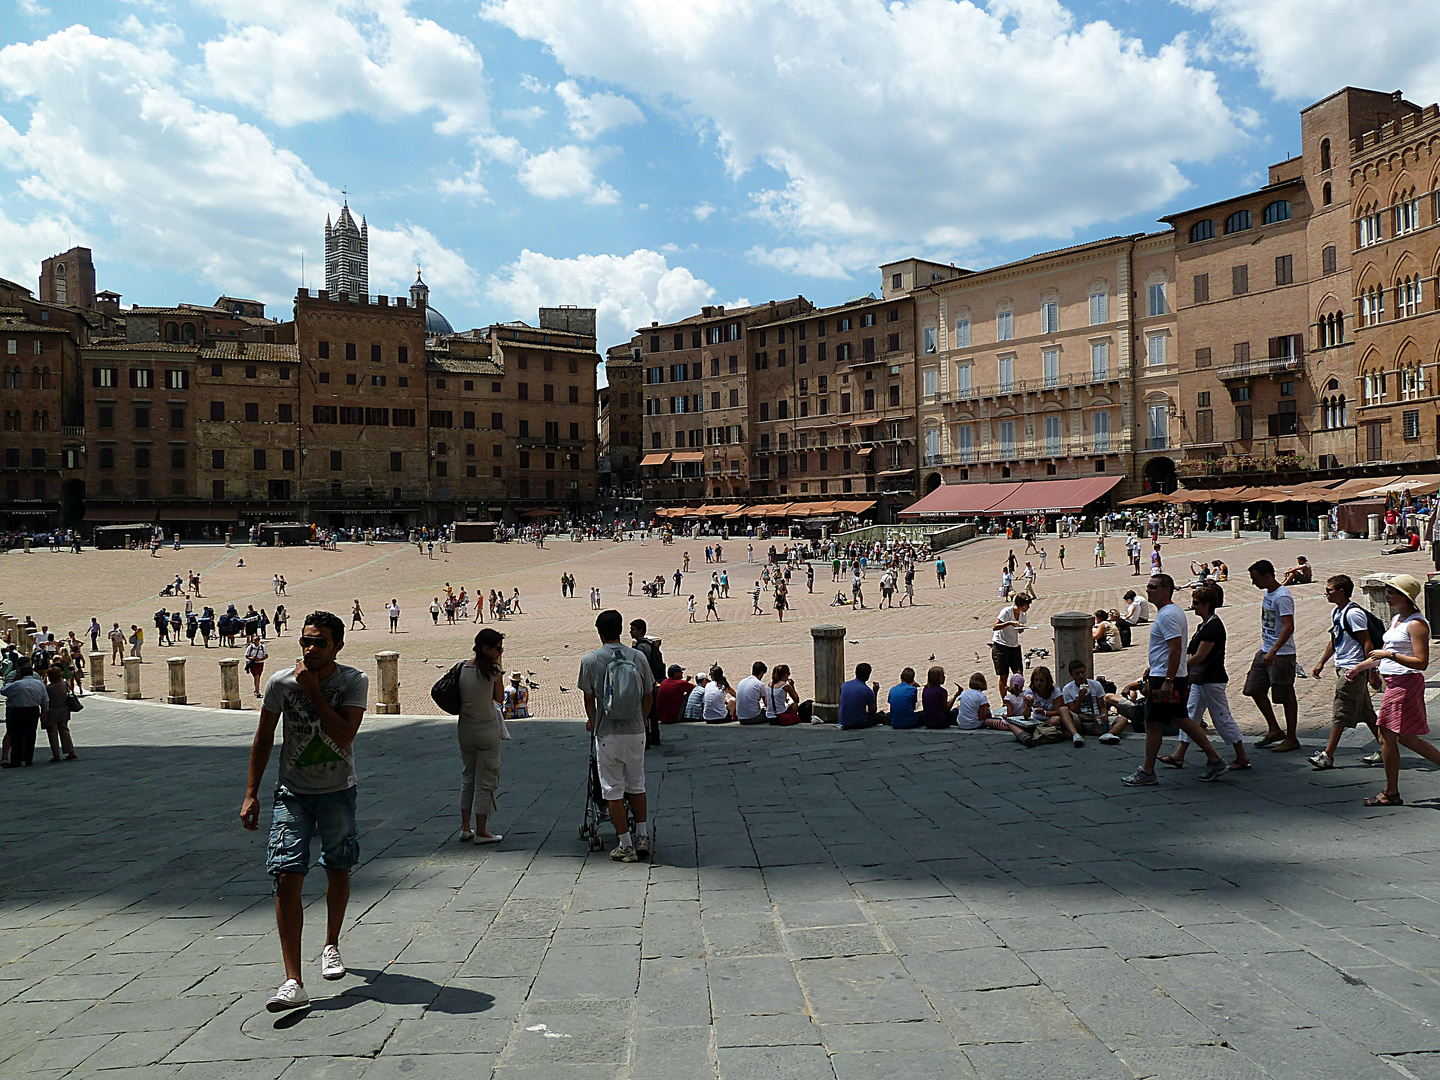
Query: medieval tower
point(347, 255)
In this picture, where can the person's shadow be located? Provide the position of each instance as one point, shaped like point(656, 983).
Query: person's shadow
point(395, 988)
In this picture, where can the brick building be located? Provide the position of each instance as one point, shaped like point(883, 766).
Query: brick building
point(1049, 366)
point(622, 414)
point(68, 279)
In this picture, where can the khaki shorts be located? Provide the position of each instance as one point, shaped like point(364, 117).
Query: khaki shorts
point(1353, 704)
point(1278, 677)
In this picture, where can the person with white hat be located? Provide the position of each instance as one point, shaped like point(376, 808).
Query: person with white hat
point(516, 705)
point(1402, 658)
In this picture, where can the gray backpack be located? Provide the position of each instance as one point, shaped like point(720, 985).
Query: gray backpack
point(623, 697)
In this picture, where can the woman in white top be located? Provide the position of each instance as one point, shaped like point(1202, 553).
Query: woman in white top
point(481, 690)
point(1402, 658)
point(255, 656)
point(781, 698)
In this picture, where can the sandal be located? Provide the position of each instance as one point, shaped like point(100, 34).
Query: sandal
point(1272, 737)
point(1236, 766)
point(1173, 761)
point(1385, 799)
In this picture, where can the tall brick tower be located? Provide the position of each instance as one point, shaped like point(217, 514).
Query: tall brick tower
point(347, 255)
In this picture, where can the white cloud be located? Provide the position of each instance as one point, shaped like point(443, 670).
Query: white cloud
point(565, 172)
point(524, 116)
point(818, 259)
point(703, 211)
point(23, 244)
point(1305, 49)
point(32, 8)
point(395, 253)
point(627, 291)
point(534, 85)
point(300, 62)
point(913, 121)
point(111, 142)
point(593, 115)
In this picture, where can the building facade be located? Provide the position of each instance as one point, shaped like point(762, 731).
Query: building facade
point(622, 416)
point(1060, 365)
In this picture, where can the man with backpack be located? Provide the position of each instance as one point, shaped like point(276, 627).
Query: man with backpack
point(651, 651)
point(1354, 631)
point(619, 690)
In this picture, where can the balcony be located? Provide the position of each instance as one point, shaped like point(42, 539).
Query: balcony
point(1034, 386)
point(73, 431)
point(1251, 369)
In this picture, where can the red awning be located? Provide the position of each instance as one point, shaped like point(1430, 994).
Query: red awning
point(959, 500)
point(654, 459)
point(1055, 495)
point(685, 457)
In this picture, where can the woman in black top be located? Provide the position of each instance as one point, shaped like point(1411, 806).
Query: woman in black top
point(1206, 659)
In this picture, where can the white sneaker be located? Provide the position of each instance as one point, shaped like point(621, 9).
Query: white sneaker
point(1109, 737)
point(291, 995)
point(466, 836)
point(331, 966)
point(1321, 760)
point(1078, 740)
point(642, 846)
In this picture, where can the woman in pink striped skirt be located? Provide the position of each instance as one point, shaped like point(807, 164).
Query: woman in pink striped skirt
point(1402, 658)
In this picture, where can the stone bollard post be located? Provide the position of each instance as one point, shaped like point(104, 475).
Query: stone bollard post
point(1189, 526)
point(230, 683)
point(1279, 528)
point(1073, 641)
point(177, 681)
point(1234, 527)
point(27, 545)
point(1104, 526)
point(1374, 587)
point(97, 672)
point(829, 670)
point(132, 678)
point(229, 538)
point(388, 664)
point(1373, 521)
point(1432, 601)
point(1324, 526)
point(1422, 526)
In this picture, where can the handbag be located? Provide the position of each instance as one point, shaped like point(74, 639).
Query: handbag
point(446, 691)
point(504, 731)
point(73, 703)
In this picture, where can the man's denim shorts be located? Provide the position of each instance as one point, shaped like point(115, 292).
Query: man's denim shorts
point(297, 817)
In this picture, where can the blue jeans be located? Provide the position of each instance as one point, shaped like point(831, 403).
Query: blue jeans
point(297, 817)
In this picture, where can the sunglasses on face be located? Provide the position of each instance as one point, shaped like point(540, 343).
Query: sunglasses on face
point(314, 643)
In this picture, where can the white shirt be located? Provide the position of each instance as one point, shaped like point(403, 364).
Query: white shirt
point(1008, 636)
point(1169, 624)
point(1138, 611)
point(749, 698)
point(968, 708)
point(1348, 652)
point(715, 702)
point(1274, 605)
point(1097, 694)
point(394, 610)
point(1398, 639)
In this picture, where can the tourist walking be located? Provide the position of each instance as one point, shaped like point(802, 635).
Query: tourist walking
point(1401, 660)
point(255, 656)
point(480, 731)
point(26, 702)
point(1273, 669)
point(322, 704)
point(57, 717)
point(1352, 637)
point(356, 616)
point(394, 611)
point(1205, 657)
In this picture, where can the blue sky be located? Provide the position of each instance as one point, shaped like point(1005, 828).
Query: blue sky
point(644, 156)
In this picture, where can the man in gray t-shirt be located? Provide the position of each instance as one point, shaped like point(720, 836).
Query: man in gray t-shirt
point(617, 720)
point(322, 704)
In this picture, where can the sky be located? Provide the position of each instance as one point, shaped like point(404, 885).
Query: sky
point(644, 157)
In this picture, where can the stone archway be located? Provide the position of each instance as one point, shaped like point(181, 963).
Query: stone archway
point(1160, 476)
point(932, 482)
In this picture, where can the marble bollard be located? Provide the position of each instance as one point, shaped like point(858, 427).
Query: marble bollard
point(388, 665)
point(132, 678)
point(1073, 641)
point(829, 671)
point(176, 696)
point(230, 683)
point(97, 672)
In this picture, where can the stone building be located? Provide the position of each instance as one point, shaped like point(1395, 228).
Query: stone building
point(622, 415)
point(1058, 365)
point(347, 255)
point(68, 279)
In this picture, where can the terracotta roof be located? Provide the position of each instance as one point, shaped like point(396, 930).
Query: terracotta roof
point(22, 325)
point(506, 343)
point(462, 367)
point(143, 347)
point(253, 350)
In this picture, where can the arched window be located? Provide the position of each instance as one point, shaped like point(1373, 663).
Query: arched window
point(187, 332)
point(1325, 197)
point(45, 379)
point(1202, 230)
point(172, 331)
point(1325, 155)
point(45, 420)
point(1341, 413)
point(1407, 297)
point(1277, 211)
point(1237, 222)
point(35, 379)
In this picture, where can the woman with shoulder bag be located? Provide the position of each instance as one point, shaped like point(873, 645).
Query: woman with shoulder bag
point(57, 719)
point(480, 732)
point(255, 656)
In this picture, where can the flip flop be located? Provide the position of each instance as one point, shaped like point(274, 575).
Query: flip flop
point(489, 839)
point(1236, 766)
point(1385, 799)
point(1169, 759)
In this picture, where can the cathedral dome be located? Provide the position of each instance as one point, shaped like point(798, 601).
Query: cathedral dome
point(436, 325)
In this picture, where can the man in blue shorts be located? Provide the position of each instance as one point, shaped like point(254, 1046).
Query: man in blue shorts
point(322, 704)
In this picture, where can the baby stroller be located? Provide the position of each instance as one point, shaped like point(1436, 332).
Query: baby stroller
point(597, 809)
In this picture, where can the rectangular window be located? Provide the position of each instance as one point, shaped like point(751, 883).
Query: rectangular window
point(1004, 326)
point(1157, 299)
point(177, 417)
point(1411, 421)
point(522, 391)
point(217, 459)
point(286, 414)
point(397, 461)
point(1156, 353)
point(177, 379)
point(1204, 426)
point(142, 416)
point(140, 379)
point(1099, 308)
point(962, 381)
point(287, 460)
point(965, 443)
point(1240, 280)
point(1050, 317)
point(1007, 374)
point(350, 351)
point(142, 457)
point(1050, 358)
point(929, 340)
point(1327, 259)
point(322, 350)
point(1374, 446)
point(1159, 436)
point(844, 403)
point(1244, 425)
point(1202, 288)
point(259, 459)
point(1052, 437)
point(932, 382)
point(105, 416)
point(325, 414)
point(1099, 360)
point(1284, 269)
point(104, 377)
point(377, 417)
point(252, 412)
point(1007, 439)
point(1242, 352)
point(1202, 358)
point(1100, 432)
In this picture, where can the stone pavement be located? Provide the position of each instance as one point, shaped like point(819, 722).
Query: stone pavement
point(831, 905)
point(951, 624)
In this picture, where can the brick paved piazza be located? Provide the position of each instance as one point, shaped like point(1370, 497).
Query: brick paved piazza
point(63, 590)
point(822, 904)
